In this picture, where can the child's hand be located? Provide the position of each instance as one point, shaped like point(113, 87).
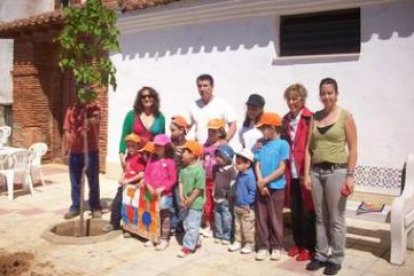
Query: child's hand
point(159, 191)
point(265, 191)
point(121, 181)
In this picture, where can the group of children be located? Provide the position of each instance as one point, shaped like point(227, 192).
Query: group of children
point(209, 189)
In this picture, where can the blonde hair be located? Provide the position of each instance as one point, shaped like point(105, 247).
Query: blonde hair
point(298, 88)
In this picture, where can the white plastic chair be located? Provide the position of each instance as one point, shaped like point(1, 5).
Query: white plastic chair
point(38, 150)
point(17, 163)
point(5, 132)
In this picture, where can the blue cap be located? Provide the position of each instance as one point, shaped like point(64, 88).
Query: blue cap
point(226, 151)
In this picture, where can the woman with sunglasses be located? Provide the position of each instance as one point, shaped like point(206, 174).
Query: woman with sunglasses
point(144, 119)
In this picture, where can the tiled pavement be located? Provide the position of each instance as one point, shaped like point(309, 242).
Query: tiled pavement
point(23, 221)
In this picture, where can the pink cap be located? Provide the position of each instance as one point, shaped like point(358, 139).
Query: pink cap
point(162, 140)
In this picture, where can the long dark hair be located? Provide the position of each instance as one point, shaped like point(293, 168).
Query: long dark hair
point(138, 103)
point(247, 121)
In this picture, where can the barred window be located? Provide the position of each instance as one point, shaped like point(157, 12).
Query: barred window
point(332, 32)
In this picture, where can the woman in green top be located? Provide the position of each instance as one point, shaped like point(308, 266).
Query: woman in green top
point(145, 119)
point(329, 169)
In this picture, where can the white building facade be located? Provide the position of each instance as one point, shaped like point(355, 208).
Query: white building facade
point(237, 42)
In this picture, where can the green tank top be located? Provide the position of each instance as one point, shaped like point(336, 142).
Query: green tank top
point(330, 146)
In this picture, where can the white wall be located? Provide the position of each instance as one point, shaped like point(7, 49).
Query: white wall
point(240, 54)
point(11, 10)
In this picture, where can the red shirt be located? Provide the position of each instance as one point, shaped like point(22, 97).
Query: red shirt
point(74, 126)
point(134, 165)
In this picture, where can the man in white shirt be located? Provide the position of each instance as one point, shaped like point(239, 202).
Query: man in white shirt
point(210, 107)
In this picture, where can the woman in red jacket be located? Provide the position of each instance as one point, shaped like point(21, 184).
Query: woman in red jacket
point(296, 129)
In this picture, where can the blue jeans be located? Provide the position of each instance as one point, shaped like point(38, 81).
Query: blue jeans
point(222, 220)
point(175, 219)
point(76, 165)
point(192, 224)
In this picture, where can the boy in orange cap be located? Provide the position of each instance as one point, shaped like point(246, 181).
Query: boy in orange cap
point(133, 174)
point(271, 160)
point(192, 197)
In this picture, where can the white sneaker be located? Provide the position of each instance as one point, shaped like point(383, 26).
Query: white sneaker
point(247, 249)
point(235, 246)
point(162, 245)
point(276, 255)
point(262, 254)
point(148, 243)
point(225, 242)
point(206, 232)
point(217, 240)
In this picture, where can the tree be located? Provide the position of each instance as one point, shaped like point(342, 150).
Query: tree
point(88, 35)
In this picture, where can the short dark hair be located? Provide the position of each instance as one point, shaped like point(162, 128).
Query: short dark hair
point(330, 81)
point(138, 103)
point(205, 77)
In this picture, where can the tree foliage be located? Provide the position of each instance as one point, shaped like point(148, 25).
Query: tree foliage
point(88, 35)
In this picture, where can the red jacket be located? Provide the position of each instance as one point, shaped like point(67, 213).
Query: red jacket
point(298, 153)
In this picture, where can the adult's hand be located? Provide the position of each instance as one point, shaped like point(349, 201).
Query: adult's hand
point(307, 182)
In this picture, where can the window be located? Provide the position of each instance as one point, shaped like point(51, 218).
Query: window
point(333, 32)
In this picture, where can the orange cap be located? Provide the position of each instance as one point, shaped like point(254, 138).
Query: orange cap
point(149, 147)
point(133, 138)
point(216, 124)
point(269, 119)
point(194, 147)
point(180, 121)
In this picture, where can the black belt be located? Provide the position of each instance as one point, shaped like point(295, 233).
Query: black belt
point(329, 166)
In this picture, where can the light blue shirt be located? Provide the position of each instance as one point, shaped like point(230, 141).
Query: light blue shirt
point(269, 156)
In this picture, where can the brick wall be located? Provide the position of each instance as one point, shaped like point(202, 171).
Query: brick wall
point(41, 94)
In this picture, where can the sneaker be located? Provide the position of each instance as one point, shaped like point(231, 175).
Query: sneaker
point(225, 242)
point(162, 245)
point(96, 214)
point(71, 214)
point(148, 243)
point(262, 254)
point(206, 232)
point(127, 235)
point(108, 228)
point(184, 252)
point(275, 255)
point(247, 249)
point(304, 255)
point(235, 246)
point(294, 251)
point(216, 240)
point(331, 269)
point(315, 265)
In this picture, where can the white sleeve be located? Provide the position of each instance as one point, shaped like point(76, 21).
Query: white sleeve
point(229, 114)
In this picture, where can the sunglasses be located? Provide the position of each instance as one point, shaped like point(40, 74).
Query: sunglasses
point(147, 96)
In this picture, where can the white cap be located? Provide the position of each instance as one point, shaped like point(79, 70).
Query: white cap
point(246, 153)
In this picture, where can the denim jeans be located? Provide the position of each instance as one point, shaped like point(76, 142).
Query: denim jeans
point(76, 165)
point(175, 219)
point(222, 220)
point(329, 209)
point(192, 224)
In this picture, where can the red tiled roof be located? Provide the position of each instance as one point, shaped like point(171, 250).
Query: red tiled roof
point(48, 19)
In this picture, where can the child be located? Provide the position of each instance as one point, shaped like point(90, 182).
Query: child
point(244, 203)
point(178, 129)
point(159, 178)
point(270, 167)
point(216, 137)
point(224, 175)
point(148, 151)
point(192, 196)
point(133, 174)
